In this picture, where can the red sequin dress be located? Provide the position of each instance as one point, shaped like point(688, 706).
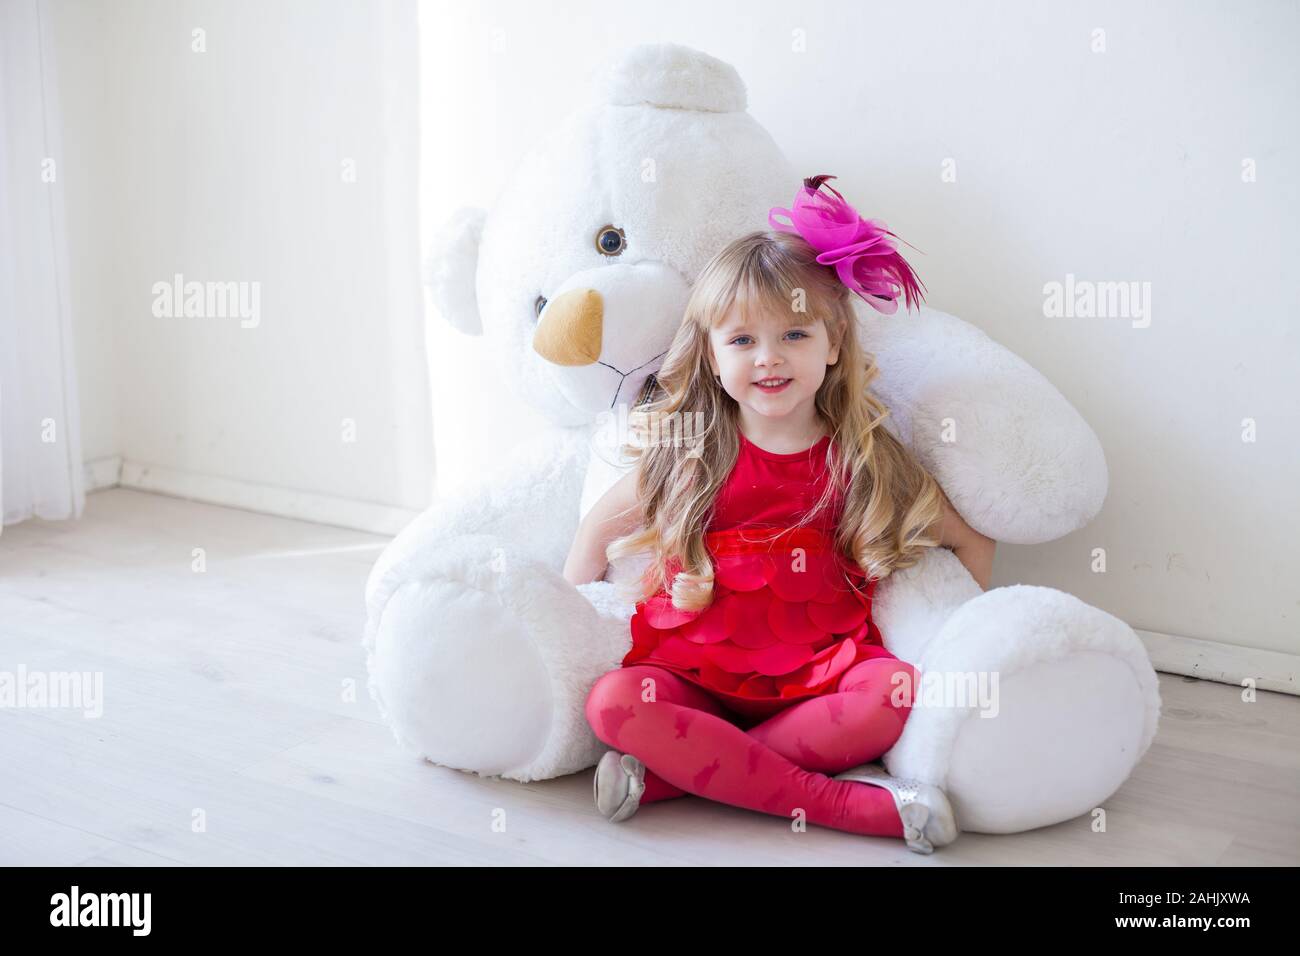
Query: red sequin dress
point(789, 615)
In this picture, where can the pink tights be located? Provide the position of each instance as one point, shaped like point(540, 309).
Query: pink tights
point(689, 744)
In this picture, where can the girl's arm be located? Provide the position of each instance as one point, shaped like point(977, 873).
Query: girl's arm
point(972, 549)
point(617, 513)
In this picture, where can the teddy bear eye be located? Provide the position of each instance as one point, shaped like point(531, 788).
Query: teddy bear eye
point(610, 241)
point(538, 304)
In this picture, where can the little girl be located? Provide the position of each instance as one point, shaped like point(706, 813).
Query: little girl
point(756, 670)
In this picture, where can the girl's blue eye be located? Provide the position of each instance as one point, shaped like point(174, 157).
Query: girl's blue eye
point(736, 340)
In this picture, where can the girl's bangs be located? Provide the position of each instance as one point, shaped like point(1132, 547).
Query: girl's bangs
point(756, 294)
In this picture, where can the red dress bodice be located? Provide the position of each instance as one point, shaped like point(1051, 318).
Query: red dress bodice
point(790, 614)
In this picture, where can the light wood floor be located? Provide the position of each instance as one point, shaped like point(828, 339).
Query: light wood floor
point(225, 701)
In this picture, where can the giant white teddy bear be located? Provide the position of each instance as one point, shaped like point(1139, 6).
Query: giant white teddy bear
point(480, 654)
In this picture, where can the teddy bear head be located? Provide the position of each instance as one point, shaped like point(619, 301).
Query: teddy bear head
point(579, 274)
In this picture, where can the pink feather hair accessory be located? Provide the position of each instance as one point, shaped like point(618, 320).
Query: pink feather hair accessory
point(861, 250)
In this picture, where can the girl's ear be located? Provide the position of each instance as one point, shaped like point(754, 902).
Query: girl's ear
point(834, 355)
point(837, 338)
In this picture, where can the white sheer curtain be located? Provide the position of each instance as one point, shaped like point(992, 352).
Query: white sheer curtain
point(41, 471)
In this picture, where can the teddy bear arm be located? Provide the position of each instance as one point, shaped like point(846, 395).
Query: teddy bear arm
point(530, 498)
point(1017, 460)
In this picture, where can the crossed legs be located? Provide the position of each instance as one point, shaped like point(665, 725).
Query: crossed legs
point(688, 744)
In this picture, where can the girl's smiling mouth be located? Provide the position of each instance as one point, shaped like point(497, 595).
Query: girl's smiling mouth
point(773, 385)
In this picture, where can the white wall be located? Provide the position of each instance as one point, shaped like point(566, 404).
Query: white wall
point(227, 165)
point(1117, 165)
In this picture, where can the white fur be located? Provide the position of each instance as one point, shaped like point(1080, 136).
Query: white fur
point(481, 655)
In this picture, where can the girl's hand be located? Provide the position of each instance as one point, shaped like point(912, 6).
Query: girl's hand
point(972, 549)
point(617, 513)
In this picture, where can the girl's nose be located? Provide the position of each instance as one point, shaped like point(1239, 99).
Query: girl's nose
point(768, 358)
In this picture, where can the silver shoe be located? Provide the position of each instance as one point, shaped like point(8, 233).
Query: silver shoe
point(618, 784)
point(928, 820)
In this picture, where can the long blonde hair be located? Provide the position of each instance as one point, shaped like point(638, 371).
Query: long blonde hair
point(891, 504)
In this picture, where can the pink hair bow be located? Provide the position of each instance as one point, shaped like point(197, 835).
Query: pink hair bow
point(861, 250)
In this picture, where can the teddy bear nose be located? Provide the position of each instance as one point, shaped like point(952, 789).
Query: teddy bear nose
point(569, 332)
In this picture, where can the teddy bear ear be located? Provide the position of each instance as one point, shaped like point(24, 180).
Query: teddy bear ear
point(451, 269)
point(669, 76)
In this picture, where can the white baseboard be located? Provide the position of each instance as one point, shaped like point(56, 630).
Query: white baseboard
point(1226, 663)
point(114, 471)
point(103, 473)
